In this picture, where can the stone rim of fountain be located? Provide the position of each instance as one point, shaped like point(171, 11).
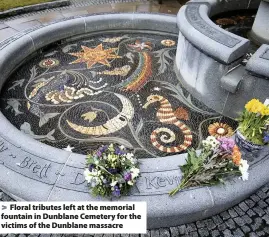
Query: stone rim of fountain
point(32, 171)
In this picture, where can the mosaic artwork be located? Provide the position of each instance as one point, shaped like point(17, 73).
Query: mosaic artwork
point(107, 88)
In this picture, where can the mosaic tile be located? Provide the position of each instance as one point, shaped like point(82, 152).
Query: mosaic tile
point(108, 87)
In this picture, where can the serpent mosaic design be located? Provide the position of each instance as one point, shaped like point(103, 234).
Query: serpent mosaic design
point(107, 88)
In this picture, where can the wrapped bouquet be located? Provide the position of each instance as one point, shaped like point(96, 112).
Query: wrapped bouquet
point(217, 159)
point(111, 171)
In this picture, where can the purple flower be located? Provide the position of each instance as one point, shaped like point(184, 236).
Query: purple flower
point(127, 176)
point(116, 191)
point(226, 144)
point(113, 171)
point(99, 153)
point(91, 167)
point(119, 152)
point(103, 148)
point(266, 138)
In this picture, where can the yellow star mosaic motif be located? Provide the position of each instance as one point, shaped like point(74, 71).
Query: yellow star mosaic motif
point(92, 56)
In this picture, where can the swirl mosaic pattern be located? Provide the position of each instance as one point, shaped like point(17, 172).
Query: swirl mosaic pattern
point(107, 88)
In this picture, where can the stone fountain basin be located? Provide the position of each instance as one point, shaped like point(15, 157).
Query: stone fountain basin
point(217, 79)
point(32, 171)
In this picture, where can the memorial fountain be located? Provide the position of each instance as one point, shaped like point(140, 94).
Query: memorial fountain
point(52, 81)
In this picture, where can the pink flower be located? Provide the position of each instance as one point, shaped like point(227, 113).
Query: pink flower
point(226, 144)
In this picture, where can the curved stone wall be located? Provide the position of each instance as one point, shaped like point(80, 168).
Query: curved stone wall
point(213, 74)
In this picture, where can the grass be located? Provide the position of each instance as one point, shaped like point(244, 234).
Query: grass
point(8, 4)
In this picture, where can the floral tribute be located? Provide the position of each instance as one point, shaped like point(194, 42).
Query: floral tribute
point(111, 171)
point(218, 158)
point(254, 121)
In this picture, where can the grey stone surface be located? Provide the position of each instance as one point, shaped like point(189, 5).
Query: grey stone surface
point(200, 77)
point(217, 7)
point(258, 63)
point(260, 30)
point(231, 80)
point(195, 25)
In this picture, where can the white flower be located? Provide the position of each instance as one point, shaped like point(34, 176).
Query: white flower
point(243, 167)
point(113, 183)
point(88, 175)
point(210, 142)
point(135, 172)
point(129, 155)
point(96, 162)
point(94, 172)
point(130, 183)
point(122, 147)
point(95, 181)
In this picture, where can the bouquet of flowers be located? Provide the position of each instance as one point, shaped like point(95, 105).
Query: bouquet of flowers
point(253, 122)
point(111, 171)
point(217, 159)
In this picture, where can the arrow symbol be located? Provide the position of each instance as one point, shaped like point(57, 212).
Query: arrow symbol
point(4, 207)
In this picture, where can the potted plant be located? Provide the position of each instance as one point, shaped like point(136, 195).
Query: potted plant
point(252, 132)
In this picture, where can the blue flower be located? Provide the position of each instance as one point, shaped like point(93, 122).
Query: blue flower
point(116, 191)
point(113, 171)
point(91, 167)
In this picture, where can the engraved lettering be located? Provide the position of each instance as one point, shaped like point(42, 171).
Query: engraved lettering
point(194, 18)
point(157, 182)
point(39, 170)
point(151, 182)
point(33, 162)
point(79, 179)
point(45, 170)
point(177, 179)
point(170, 180)
point(3, 147)
point(36, 168)
point(25, 162)
point(161, 181)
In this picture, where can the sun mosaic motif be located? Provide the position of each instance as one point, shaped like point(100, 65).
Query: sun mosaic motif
point(110, 88)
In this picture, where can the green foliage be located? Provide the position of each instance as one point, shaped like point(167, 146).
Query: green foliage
point(253, 121)
point(9, 4)
point(209, 167)
point(252, 126)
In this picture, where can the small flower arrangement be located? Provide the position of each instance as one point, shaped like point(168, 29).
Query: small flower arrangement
point(253, 122)
point(217, 159)
point(111, 171)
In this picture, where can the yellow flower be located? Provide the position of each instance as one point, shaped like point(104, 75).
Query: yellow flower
point(265, 111)
point(254, 106)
